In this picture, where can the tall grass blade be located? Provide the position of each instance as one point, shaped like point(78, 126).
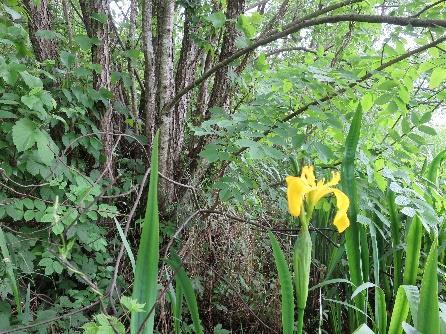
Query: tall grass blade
point(286, 286)
point(413, 298)
point(399, 313)
point(380, 311)
point(10, 270)
point(407, 298)
point(395, 229)
point(353, 234)
point(177, 307)
point(146, 271)
point(428, 310)
point(405, 295)
point(380, 298)
point(302, 264)
point(188, 292)
point(335, 259)
point(434, 166)
point(126, 245)
point(413, 249)
point(363, 329)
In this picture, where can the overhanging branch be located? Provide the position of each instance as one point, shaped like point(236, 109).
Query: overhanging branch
point(331, 96)
point(292, 28)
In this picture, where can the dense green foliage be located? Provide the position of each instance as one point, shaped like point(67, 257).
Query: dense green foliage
point(83, 246)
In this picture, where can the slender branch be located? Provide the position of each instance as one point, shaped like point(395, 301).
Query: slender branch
point(394, 20)
point(297, 48)
point(428, 7)
point(331, 96)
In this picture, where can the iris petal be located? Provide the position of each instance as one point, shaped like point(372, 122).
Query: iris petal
point(296, 191)
point(336, 177)
point(308, 175)
point(298, 188)
point(341, 220)
point(318, 193)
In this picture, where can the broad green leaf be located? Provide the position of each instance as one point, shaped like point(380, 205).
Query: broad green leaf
point(23, 134)
point(30, 80)
point(437, 77)
point(45, 147)
point(67, 58)
point(217, 19)
point(434, 167)
point(324, 152)
point(7, 114)
point(49, 34)
point(244, 25)
point(405, 125)
point(101, 17)
point(427, 129)
point(85, 42)
point(14, 15)
point(426, 117)
point(367, 102)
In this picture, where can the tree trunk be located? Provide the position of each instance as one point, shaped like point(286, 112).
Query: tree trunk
point(131, 45)
point(165, 91)
point(100, 54)
point(222, 84)
point(40, 19)
point(148, 100)
point(222, 87)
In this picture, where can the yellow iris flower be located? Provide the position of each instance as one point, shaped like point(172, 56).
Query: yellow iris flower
point(307, 188)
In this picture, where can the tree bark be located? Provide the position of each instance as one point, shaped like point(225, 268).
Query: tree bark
point(220, 94)
point(165, 91)
point(131, 45)
point(220, 90)
point(40, 19)
point(66, 15)
point(100, 54)
point(149, 107)
point(185, 73)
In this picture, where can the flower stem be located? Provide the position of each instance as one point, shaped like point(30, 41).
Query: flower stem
point(300, 320)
